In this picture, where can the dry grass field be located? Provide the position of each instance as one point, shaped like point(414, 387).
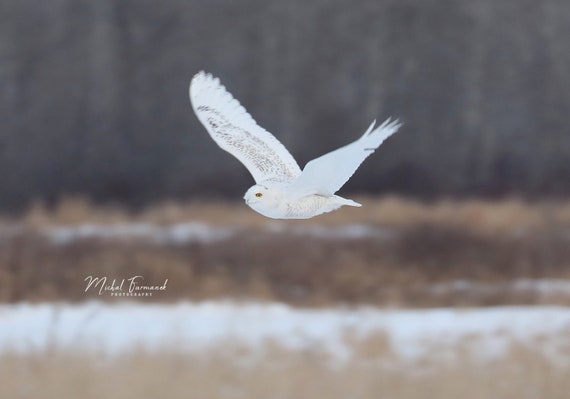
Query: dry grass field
point(462, 253)
point(230, 372)
point(447, 253)
point(474, 215)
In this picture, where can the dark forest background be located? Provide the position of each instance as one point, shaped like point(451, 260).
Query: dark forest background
point(93, 94)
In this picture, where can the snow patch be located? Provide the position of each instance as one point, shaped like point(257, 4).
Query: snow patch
point(181, 233)
point(190, 232)
point(194, 327)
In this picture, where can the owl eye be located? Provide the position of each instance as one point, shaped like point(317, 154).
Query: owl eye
point(258, 195)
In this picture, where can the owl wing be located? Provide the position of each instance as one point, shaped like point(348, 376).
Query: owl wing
point(234, 130)
point(327, 174)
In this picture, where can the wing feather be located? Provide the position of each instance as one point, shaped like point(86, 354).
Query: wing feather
point(327, 174)
point(234, 130)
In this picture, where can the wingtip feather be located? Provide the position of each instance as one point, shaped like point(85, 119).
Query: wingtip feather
point(387, 128)
point(203, 82)
point(392, 124)
point(370, 128)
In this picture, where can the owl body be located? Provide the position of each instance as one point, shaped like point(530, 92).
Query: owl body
point(277, 202)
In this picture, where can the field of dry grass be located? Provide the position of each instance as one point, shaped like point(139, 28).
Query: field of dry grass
point(448, 253)
point(230, 372)
point(428, 249)
point(473, 215)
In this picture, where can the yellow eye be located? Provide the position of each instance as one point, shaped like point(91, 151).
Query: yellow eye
point(258, 195)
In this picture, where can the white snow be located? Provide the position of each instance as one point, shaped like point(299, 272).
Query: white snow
point(194, 231)
point(343, 232)
point(188, 232)
point(179, 233)
point(538, 287)
point(116, 328)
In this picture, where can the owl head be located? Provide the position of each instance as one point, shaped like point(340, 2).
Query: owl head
point(264, 200)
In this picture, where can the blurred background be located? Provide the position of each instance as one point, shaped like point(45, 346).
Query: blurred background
point(109, 174)
point(94, 94)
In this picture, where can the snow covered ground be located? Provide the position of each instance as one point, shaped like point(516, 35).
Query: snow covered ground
point(190, 232)
point(192, 327)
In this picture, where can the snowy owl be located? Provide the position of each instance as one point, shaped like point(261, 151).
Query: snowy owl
point(282, 190)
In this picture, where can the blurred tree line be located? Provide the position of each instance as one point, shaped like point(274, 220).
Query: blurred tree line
point(93, 94)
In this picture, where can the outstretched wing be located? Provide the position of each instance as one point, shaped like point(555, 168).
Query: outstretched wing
point(235, 131)
point(327, 174)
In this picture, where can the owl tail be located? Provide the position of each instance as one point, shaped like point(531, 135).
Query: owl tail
point(344, 201)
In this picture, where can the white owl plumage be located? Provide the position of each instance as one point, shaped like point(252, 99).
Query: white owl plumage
point(282, 189)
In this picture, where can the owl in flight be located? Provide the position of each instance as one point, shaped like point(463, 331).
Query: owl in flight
point(282, 189)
